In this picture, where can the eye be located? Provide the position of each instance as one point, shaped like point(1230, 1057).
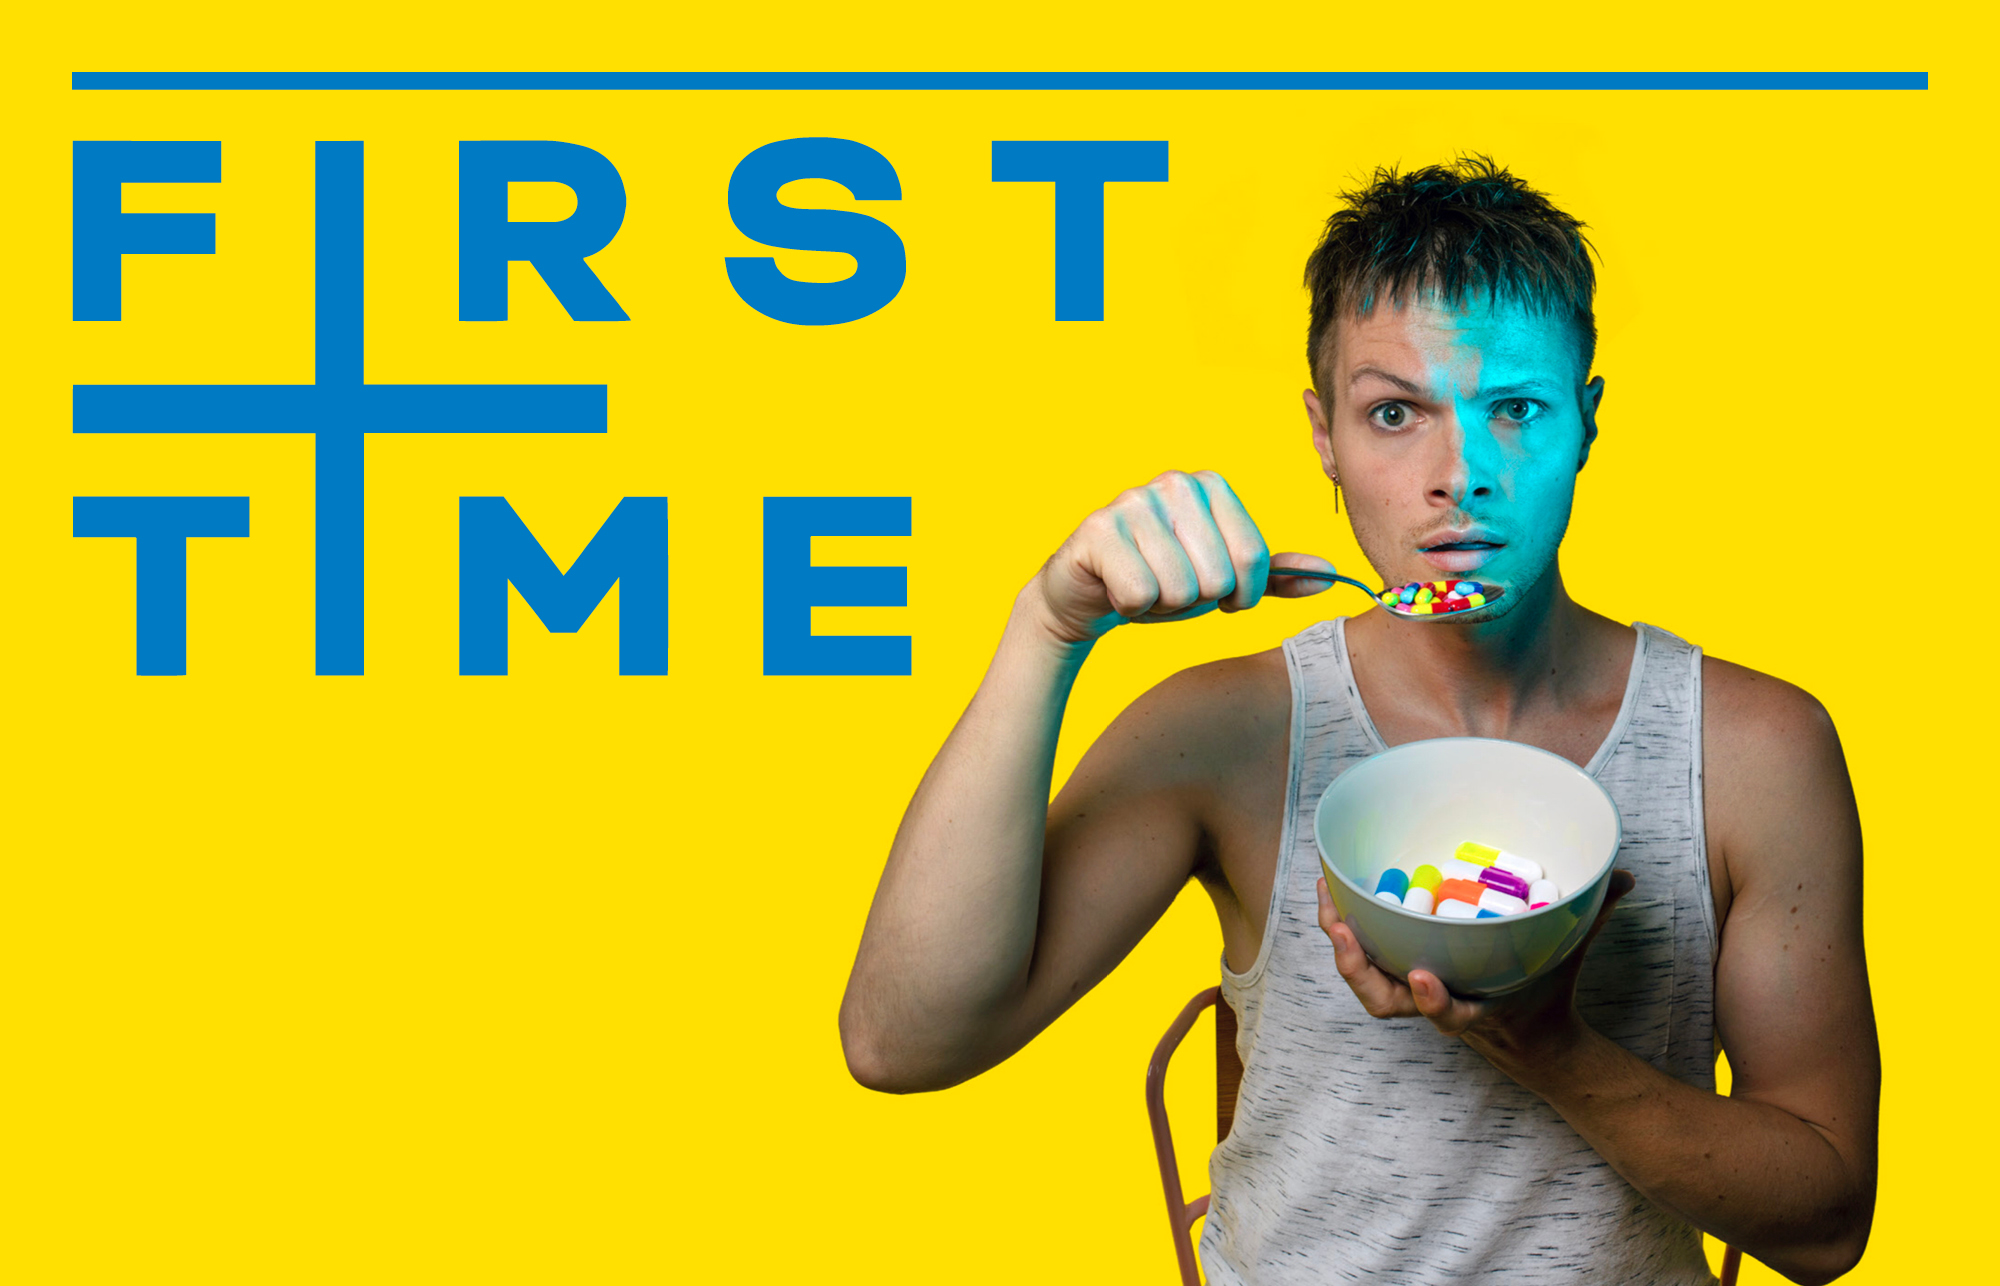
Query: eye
point(1518, 409)
point(1390, 415)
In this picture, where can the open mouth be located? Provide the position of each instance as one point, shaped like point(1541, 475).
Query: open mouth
point(1460, 556)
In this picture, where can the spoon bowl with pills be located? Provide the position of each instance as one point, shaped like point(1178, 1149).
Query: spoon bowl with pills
point(1424, 600)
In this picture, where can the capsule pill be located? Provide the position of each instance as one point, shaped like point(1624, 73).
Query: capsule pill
point(1463, 890)
point(1485, 855)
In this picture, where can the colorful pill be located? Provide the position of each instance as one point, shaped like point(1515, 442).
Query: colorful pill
point(1418, 899)
point(1427, 877)
point(1409, 594)
point(1388, 596)
point(1463, 890)
point(1477, 854)
point(1536, 906)
point(1485, 855)
point(1504, 903)
point(1390, 898)
point(1484, 914)
point(1393, 883)
point(1542, 892)
point(1465, 587)
point(1506, 881)
point(1456, 870)
point(1453, 909)
point(1425, 595)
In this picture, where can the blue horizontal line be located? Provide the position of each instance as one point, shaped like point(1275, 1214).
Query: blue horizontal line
point(483, 408)
point(1153, 80)
point(305, 408)
point(195, 408)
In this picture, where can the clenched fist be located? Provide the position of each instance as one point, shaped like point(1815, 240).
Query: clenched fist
point(1174, 549)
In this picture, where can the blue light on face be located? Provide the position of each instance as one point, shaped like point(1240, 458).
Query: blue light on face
point(1473, 417)
point(1522, 433)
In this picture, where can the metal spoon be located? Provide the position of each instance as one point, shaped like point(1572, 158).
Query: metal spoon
point(1306, 573)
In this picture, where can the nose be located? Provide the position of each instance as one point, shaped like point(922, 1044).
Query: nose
point(1459, 474)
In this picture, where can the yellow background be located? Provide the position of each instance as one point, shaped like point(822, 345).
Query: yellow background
point(420, 978)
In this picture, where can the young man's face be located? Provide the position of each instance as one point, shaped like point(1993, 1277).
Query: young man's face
point(1456, 435)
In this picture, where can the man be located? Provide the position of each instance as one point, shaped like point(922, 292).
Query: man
point(1387, 1129)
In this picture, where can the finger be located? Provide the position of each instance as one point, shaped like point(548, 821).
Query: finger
point(1284, 586)
point(1186, 503)
point(1448, 1013)
point(1146, 527)
point(1249, 556)
point(1105, 550)
point(1379, 994)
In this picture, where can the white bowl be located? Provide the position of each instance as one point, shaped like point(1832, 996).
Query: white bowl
point(1416, 803)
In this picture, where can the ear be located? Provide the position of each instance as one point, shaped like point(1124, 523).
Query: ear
point(1322, 435)
point(1593, 395)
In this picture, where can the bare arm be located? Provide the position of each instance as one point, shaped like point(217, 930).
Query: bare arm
point(987, 924)
point(1784, 1169)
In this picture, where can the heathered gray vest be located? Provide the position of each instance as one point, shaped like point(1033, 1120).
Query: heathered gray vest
point(1380, 1150)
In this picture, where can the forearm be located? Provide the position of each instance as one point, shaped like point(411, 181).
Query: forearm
point(951, 934)
point(1746, 1172)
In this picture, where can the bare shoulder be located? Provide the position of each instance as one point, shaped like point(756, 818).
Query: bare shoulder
point(1193, 738)
point(1234, 696)
point(1749, 705)
point(1216, 714)
point(1773, 772)
point(1760, 725)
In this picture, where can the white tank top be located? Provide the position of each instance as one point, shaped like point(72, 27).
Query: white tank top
point(1377, 1150)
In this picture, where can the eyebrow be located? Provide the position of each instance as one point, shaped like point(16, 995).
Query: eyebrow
point(1519, 386)
point(1362, 372)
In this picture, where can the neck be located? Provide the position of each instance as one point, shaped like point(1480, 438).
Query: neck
point(1484, 674)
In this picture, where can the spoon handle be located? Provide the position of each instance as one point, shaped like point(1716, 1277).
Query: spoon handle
point(1307, 573)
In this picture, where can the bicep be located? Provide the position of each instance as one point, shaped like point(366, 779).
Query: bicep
point(1792, 1000)
point(1124, 835)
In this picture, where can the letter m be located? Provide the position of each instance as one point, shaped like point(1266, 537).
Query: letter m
point(496, 548)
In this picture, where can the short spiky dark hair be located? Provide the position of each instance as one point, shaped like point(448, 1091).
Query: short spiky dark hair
point(1454, 230)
